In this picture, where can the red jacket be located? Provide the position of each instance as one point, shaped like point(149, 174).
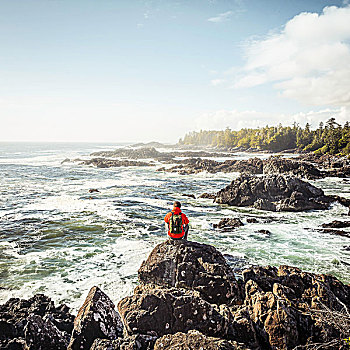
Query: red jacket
point(185, 221)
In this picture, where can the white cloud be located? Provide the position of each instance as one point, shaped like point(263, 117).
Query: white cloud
point(216, 82)
point(222, 17)
point(236, 120)
point(308, 60)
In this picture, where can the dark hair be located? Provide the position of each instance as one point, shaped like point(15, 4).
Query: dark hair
point(177, 204)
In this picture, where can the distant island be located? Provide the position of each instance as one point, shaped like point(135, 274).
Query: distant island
point(328, 138)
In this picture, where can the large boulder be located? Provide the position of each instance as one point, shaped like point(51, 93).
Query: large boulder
point(157, 310)
point(274, 193)
point(194, 340)
point(16, 313)
point(191, 265)
point(228, 224)
point(97, 318)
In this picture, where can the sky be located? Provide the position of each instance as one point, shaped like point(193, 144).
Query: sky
point(144, 70)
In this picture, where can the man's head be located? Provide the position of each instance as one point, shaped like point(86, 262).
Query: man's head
point(177, 204)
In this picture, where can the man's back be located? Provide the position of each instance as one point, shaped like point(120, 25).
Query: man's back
point(176, 230)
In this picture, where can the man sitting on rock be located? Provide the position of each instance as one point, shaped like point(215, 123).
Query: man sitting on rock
point(177, 223)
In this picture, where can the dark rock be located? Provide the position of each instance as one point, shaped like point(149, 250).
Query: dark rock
point(237, 263)
point(111, 163)
point(208, 195)
point(152, 153)
point(193, 340)
point(191, 265)
point(134, 342)
point(274, 193)
point(333, 232)
point(337, 224)
point(265, 232)
point(92, 190)
point(189, 195)
point(197, 165)
point(15, 313)
point(252, 220)
point(140, 153)
point(283, 308)
point(40, 333)
point(15, 344)
point(157, 310)
point(227, 224)
point(275, 165)
point(97, 318)
point(346, 247)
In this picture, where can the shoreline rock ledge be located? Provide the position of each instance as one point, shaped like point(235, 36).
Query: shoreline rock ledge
point(189, 299)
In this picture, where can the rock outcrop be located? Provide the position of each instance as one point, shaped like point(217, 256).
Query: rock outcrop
point(193, 266)
point(152, 153)
point(97, 318)
point(197, 165)
point(228, 224)
point(274, 193)
point(275, 165)
point(283, 307)
point(34, 321)
point(337, 224)
point(112, 163)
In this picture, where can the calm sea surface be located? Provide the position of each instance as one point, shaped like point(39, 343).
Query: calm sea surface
point(58, 239)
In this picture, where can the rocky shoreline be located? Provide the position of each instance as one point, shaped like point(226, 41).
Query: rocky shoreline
point(189, 297)
point(306, 166)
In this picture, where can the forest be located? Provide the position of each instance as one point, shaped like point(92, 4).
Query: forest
point(328, 138)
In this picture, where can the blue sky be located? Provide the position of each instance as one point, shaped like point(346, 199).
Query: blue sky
point(116, 71)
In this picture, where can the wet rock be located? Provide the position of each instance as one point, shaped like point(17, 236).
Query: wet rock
point(190, 196)
point(333, 232)
point(15, 313)
point(252, 221)
point(193, 340)
point(227, 224)
point(208, 195)
point(40, 333)
point(152, 153)
point(237, 264)
point(337, 224)
point(197, 165)
point(140, 153)
point(264, 232)
point(275, 165)
point(97, 318)
point(274, 193)
point(111, 163)
point(135, 342)
point(191, 265)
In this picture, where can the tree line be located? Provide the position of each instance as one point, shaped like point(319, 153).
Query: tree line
point(328, 138)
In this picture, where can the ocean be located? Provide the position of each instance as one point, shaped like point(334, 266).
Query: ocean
point(58, 239)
